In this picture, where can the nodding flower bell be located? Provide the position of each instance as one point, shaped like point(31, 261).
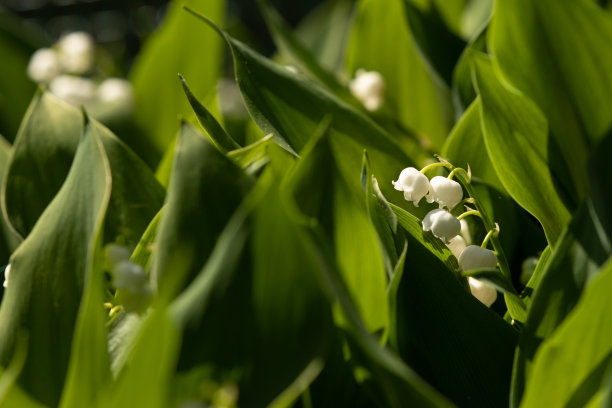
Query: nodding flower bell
point(369, 88)
point(446, 192)
point(442, 224)
point(413, 183)
point(483, 292)
point(130, 276)
point(7, 272)
point(475, 257)
point(74, 90)
point(77, 52)
point(44, 65)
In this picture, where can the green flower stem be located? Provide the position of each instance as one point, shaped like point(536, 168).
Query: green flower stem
point(434, 165)
point(452, 173)
point(467, 213)
point(485, 241)
point(516, 308)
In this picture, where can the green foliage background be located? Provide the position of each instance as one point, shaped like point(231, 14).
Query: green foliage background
point(285, 269)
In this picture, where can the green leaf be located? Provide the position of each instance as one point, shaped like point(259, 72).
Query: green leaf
point(89, 367)
point(435, 246)
point(288, 43)
point(205, 189)
point(252, 157)
point(48, 273)
point(570, 365)
point(537, 46)
point(145, 380)
point(434, 39)
point(465, 147)
point(292, 110)
point(414, 94)
point(181, 45)
point(515, 134)
point(217, 134)
point(42, 155)
point(574, 262)
point(6, 247)
point(336, 199)
point(439, 324)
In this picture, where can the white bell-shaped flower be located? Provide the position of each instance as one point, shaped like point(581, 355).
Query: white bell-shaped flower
point(475, 257)
point(76, 52)
point(44, 65)
point(413, 183)
point(442, 224)
point(73, 90)
point(369, 88)
point(116, 91)
point(7, 273)
point(457, 245)
point(483, 292)
point(130, 276)
point(448, 193)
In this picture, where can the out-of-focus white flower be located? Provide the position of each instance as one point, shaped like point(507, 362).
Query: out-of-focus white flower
point(456, 245)
point(76, 52)
point(44, 65)
point(72, 89)
point(483, 292)
point(117, 253)
point(442, 224)
point(7, 272)
point(116, 91)
point(292, 69)
point(413, 183)
point(446, 192)
point(475, 257)
point(528, 267)
point(130, 276)
point(369, 88)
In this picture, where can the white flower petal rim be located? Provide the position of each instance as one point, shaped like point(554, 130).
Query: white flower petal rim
point(413, 183)
point(7, 273)
point(486, 294)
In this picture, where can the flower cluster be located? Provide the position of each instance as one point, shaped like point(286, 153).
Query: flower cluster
point(369, 88)
point(444, 225)
point(67, 68)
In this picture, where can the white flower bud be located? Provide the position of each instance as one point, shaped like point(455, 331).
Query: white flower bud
point(44, 65)
point(369, 88)
point(7, 272)
point(130, 276)
point(116, 91)
point(117, 253)
point(446, 192)
point(457, 245)
point(73, 90)
point(76, 52)
point(475, 257)
point(483, 292)
point(413, 183)
point(442, 224)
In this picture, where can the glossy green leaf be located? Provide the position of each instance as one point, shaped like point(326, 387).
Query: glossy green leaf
point(515, 134)
point(288, 43)
point(537, 46)
point(252, 157)
point(574, 262)
point(48, 273)
point(465, 147)
point(569, 366)
point(145, 380)
point(463, 90)
point(89, 367)
point(324, 192)
point(292, 110)
point(414, 95)
point(218, 135)
point(5, 232)
point(205, 189)
point(439, 324)
point(184, 46)
point(433, 38)
point(48, 136)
